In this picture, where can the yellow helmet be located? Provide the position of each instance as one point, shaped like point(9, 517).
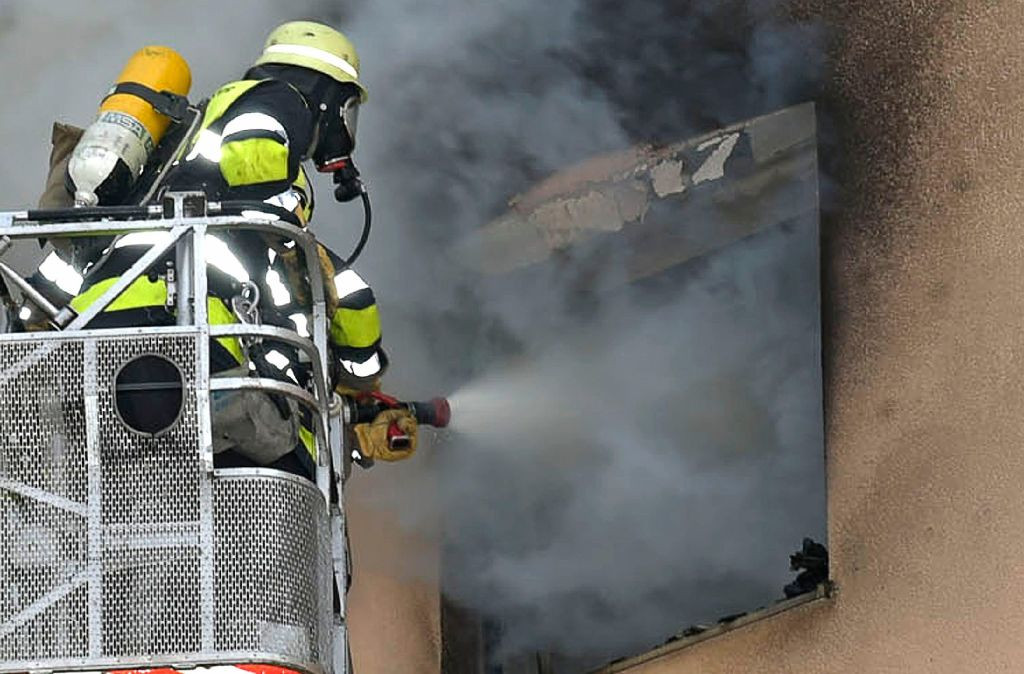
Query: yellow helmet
point(317, 47)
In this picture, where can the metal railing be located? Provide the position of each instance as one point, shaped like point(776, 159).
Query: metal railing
point(119, 550)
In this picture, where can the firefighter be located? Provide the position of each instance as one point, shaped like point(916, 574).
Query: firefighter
point(298, 102)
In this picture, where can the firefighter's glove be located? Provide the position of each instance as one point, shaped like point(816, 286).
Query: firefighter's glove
point(389, 437)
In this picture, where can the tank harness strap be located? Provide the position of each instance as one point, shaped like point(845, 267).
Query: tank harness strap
point(167, 103)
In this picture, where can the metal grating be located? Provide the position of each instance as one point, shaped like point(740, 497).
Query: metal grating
point(150, 496)
point(43, 554)
point(61, 628)
point(104, 555)
point(273, 583)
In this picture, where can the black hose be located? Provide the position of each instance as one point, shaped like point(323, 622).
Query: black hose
point(234, 207)
point(367, 222)
point(237, 207)
point(92, 213)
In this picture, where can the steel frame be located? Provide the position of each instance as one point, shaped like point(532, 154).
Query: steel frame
point(186, 236)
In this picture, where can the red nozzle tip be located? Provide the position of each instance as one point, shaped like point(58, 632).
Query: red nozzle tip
point(442, 412)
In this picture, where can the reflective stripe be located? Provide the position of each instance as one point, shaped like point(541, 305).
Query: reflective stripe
point(348, 283)
point(141, 239)
point(259, 215)
point(207, 146)
point(301, 324)
point(278, 290)
point(145, 293)
point(367, 368)
point(253, 160)
point(314, 53)
point(61, 274)
point(288, 200)
point(277, 359)
point(254, 121)
point(358, 328)
point(221, 100)
point(221, 257)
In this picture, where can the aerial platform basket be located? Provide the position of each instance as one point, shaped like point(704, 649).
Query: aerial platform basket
point(120, 550)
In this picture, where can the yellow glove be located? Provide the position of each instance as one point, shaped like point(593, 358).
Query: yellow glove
point(374, 440)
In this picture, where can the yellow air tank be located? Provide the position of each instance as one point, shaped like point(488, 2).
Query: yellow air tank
point(113, 150)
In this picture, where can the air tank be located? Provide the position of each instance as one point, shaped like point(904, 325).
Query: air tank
point(113, 150)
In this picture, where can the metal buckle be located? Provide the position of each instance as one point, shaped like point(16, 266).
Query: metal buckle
point(246, 307)
point(246, 304)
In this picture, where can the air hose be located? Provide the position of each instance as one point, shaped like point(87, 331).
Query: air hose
point(367, 222)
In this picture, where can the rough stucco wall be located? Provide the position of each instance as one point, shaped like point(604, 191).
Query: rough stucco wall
point(394, 605)
point(925, 347)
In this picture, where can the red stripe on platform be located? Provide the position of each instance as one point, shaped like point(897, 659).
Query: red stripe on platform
point(266, 669)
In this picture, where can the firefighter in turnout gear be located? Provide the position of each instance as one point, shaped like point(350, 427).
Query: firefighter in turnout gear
point(299, 102)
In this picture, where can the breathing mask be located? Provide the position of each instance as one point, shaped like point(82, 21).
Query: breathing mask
point(336, 133)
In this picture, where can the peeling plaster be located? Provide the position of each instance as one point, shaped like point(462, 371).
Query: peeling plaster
point(564, 221)
point(605, 194)
point(667, 178)
point(713, 167)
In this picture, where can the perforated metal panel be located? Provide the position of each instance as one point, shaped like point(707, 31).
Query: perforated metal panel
point(117, 549)
point(150, 503)
point(43, 558)
point(273, 582)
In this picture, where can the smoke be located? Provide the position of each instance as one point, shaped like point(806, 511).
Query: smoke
point(623, 482)
point(623, 463)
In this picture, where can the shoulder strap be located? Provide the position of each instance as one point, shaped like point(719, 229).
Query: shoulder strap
point(167, 103)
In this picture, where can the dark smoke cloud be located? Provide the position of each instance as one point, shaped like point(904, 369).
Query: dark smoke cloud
point(675, 67)
point(632, 461)
point(654, 467)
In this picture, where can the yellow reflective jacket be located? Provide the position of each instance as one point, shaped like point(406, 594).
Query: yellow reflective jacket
point(143, 303)
point(250, 145)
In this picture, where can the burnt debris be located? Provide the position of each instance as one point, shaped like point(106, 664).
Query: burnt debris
point(811, 561)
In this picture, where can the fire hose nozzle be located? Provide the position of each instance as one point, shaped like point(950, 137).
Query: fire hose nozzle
point(365, 408)
point(436, 412)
